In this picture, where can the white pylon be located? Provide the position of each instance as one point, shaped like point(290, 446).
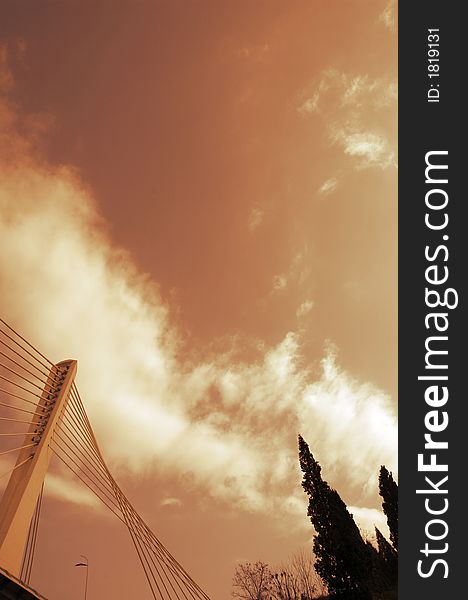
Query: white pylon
point(19, 499)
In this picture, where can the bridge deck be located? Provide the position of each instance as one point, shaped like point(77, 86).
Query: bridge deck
point(12, 589)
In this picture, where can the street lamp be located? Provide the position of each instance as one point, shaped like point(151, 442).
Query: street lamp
point(84, 564)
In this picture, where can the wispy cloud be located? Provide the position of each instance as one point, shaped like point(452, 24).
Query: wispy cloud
point(369, 518)
point(63, 488)
point(388, 16)
point(311, 99)
point(310, 105)
point(253, 52)
point(304, 309)
point(279, 282)
point(371, 149)
point(256, 217)
point(353, 110)
point(328, 186)
point(168, 501)
point(360, 91)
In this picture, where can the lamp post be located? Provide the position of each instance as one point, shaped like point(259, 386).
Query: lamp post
point(84, 564)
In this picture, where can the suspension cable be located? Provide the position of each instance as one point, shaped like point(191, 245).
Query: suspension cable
point(15, 449)
point(15, 362)
point(8, 393)
point(26, 342)
point(41, 388)
point(26, 360)
point(16, 466)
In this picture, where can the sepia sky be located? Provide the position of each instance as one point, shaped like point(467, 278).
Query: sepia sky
point(198, 203)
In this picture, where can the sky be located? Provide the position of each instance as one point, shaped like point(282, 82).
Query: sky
point(198, 203)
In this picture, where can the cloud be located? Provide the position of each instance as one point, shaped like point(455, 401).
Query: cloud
point(372, 149)
point(360, 91)
point(304, 309)
point(311, 100)
point(231, 425)
point(328, 186)
point(351, 407)
point(387, 16)
point(253, 52)
point(171, 502)
point(279, 282)
point(369, 518)
point(63, 488)
point(227, 426)
point(256, 217)
point(354, 110)
point(297, 273)
point(310, 105)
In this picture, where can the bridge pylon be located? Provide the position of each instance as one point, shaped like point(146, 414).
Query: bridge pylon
point(24, 486)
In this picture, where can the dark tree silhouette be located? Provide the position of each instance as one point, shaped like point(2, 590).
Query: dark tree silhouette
point(295, 580)
point(342, 557)
point(388, 489)
point(252, 581)
point(388, 557)
point(377, 577)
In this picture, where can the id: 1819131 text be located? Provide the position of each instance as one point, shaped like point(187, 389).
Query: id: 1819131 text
point(433, 65)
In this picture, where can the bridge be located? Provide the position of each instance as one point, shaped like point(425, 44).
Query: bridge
point(42, 415)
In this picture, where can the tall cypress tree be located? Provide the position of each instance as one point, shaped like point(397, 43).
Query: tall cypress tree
point(378, 580)
point(389, 558)
point(388, 489)
point(342, 558)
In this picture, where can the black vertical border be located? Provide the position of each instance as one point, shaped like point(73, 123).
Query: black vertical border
point(424, 127)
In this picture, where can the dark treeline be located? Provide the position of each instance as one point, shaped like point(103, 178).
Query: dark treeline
point(351, 568)
point(344, 566)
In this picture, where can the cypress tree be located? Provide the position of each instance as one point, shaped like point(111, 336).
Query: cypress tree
point(388, 489)
point(389, 558)
point(342, 558)
point(378, 580)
